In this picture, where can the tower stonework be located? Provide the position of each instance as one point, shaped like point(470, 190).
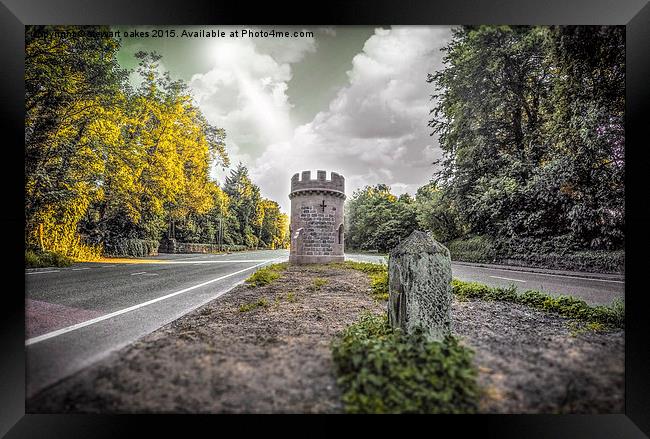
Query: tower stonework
point(316, 218)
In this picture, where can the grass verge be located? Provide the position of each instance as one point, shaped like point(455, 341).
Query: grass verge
point(598, 316)
point(378, 274)
point(383, 370)
point(40, 259)
point(612, 316)
point(259, 303)
point(266, 275)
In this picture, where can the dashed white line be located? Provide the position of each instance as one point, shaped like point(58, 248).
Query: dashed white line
point(78, 269)
point(43, 272)
point(139, 272)
point(507, 278)
point(134, 307)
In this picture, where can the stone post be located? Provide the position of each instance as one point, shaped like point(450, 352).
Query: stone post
point(419, 285)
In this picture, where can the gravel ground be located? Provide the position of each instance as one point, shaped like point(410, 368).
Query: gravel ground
point(276, 358)
point(536, 362)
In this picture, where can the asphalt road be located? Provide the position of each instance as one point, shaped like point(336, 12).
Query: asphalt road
point(595, 289)
point(77, 315)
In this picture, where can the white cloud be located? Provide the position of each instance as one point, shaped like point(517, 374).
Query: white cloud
point(375, 129)
point(245, 91)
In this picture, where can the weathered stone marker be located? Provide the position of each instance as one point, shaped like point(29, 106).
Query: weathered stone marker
point(419, 286)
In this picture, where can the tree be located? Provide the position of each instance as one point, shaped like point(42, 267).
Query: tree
point(377, 219)
point(437, 213)
point(72, 104)
point(530, 121)
point(244, 198)
point(275, 225)
point(205, 228)
point(588, 131)
point(104, 162)
point(159, 175)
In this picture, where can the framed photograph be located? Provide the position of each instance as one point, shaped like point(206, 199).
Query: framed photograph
point(427, 208)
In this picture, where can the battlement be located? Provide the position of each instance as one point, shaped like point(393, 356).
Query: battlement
point(303, 181)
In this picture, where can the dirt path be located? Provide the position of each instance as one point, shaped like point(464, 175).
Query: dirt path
point(276, 357)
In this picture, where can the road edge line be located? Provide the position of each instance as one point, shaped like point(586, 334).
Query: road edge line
point(67, 329)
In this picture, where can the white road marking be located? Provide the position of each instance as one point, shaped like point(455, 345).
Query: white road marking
point(77, 269)
point(507, 278)
point(43, 272)
point(150, 274)
point(134, 307)
point(139, 272)
point(106, 266)
point(552, 275)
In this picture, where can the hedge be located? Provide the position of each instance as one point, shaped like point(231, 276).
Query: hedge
point(597, 261)
point(472, 249)
point(40, 259)
point(532, 253)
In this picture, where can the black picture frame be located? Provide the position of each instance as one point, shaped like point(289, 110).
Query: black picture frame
point(634, 14)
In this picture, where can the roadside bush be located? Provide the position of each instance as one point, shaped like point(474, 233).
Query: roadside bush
point(40, 259)
point(600, 261)
point(55, 232)
point(612, 316)
point(557, 253)
point(474, 290)
point(472, 249)
point(512, 245)
point(383, 370)
point(266, 275)
point(131, 247)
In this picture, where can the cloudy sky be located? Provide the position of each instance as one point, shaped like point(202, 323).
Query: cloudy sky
point(349, 99)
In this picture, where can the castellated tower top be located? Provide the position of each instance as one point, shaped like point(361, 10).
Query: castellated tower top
point(304, 185)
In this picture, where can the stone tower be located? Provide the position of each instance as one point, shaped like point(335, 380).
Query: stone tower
point(316, 218)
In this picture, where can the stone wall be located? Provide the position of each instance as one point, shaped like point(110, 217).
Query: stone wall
point(173, 246)
point(319, 234)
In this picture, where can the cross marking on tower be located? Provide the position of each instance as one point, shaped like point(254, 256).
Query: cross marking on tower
point(323, 206)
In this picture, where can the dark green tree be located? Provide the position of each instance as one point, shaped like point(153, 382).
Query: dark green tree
point(377, 220)
point(244, 198)
point(530, 121)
